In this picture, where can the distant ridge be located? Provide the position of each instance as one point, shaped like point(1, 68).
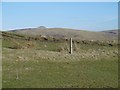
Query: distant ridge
point(111, 31)
point(69, 33)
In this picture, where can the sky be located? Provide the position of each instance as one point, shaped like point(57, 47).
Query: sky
point(93, 16)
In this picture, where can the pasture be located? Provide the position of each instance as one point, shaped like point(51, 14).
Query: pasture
point(48, 64)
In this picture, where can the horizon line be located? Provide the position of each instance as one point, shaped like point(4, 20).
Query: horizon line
point(58, 27)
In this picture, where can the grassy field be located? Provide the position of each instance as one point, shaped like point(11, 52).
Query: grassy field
point(49, 65)
point(0, 63)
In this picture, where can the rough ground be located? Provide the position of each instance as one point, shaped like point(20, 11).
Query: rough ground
point(44, 62)
point(31, 68)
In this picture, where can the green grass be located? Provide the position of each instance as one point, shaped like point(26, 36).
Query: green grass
point(48, 69)
point(48, 64)
point(0, 63)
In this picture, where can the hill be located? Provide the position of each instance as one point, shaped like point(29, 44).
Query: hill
point(69, 33)
point(46, 62)
point(112, 32)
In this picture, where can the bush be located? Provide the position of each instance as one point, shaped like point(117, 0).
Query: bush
point(60, 49)
point(17, 46)
point(23, 46)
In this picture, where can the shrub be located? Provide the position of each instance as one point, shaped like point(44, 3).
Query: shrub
point(17, 46)
point(23, 46)
point(60, 49)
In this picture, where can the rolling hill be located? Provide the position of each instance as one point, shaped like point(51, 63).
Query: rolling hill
point(48, 63)
point(69, 33)
point(29, 58)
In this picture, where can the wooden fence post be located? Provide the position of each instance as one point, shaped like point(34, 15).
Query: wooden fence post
point(71, 50)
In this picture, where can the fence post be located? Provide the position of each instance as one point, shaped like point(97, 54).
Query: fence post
point(71, 51)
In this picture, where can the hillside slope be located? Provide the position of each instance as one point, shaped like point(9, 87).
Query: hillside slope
point(68, 33)
point(48, 64)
